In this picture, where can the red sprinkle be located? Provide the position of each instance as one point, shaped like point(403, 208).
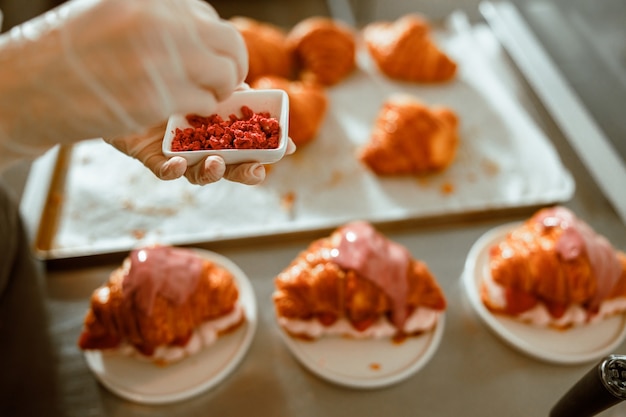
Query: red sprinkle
point(251, 131)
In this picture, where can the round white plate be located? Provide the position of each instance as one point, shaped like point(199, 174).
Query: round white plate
point(572, 346)
point(147, 383)
point(366, 363)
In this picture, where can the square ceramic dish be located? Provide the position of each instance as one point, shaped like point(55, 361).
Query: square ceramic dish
point(275, 102)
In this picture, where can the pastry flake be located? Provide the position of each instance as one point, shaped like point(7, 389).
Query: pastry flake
point(162, 304)
point(357, 283)
point(554, 270)
point(324, 48)
point(404, 50)
point(409, 138)
point(308, 103)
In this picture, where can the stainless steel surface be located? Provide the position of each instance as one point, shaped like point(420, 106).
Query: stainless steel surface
point(43, 373)
point(588, 42)
point(591, 126)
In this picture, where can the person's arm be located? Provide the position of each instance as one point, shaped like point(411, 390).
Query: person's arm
point(117, 69)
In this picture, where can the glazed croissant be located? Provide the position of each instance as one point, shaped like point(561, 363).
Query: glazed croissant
point(324, 48)
point(556, 260)
point(308, 103)
point(158, 297)
point(409, 138)
point(268, 53)
point(361, 280)
point(404, 50)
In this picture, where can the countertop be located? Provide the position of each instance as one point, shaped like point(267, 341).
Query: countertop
point(473, 373)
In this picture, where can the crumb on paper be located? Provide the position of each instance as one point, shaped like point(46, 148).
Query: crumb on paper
point(158, 211)
point(189, 198)
point(287, 201)
point(422, 180)
point(85, 160)
point(138, 233)
point(335, 178)
point(149, 211)
point(447, 188)
point(490, 167)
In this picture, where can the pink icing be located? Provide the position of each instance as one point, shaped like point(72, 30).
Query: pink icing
point(577, 238)
point(376, 258)
point(167, 271)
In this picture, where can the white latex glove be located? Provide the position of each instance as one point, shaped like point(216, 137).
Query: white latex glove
point(110, 68)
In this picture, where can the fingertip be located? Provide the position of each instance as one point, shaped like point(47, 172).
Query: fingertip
point(211, 170)
point(256, 174)
point(173, 168)
point(291, 147)
point(249, 174)
point(214, 167)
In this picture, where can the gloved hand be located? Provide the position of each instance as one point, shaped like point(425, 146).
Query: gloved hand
point(146, 147)
point(111, 68)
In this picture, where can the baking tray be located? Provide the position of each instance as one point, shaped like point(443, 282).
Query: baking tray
point(98, 201)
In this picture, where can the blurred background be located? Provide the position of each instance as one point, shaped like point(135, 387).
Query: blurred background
point(280, 12)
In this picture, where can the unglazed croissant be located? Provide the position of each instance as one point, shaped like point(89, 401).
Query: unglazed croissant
point(555, 263)
point(410, 138)
point(356, 283)
point(324, 48)
point(268, 52)
point(404, 50)
point(308, 103)
point(159, 298)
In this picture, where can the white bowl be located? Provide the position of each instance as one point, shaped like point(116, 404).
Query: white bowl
point(275, 102)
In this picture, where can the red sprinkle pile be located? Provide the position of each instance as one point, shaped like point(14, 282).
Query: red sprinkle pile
point(251, 131)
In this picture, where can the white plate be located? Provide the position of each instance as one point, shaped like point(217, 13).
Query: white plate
point(367, 363)
point(573, 346)
point(275, 102)
point(147, 383)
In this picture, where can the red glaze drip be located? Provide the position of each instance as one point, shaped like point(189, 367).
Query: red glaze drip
point(376, 258)
point(578, 238)
point(170, 272)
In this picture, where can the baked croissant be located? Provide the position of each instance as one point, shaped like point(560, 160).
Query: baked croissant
point(268, 53)
point(324, 48)
point(356, 283)
point(308, 103)
point(404, 50)
point(160, 298)
point(555, 270)
point(409, 138)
